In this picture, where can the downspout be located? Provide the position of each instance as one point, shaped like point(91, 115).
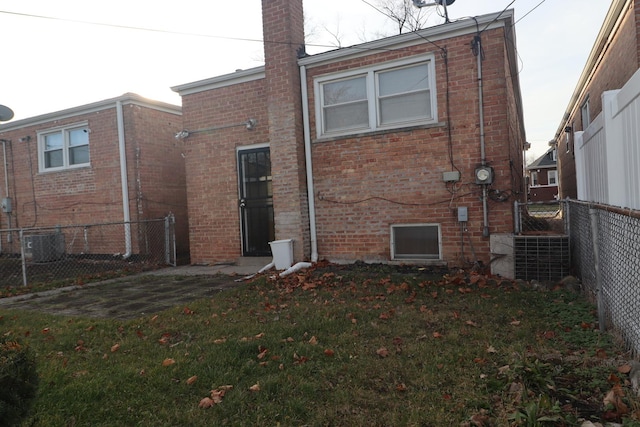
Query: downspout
point(307, 156)
point(124, 180)
point(483, 157)
point(6, 190)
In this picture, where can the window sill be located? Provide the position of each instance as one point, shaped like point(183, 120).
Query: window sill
point(362, 134)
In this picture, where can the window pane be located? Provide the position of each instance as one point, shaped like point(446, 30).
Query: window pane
point(404, 108)
point(345, 91)
point(404, 80)
point(419, 242)
point(79, 155)
point(348, 116)
point(53, 159)
point(78, 137)
point(53, 141)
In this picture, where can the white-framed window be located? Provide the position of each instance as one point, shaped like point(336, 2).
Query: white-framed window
point(534, 178)
point(552, 177)
point(386, 96)
point(416, 242)
point(585, 114)
point(63, 148)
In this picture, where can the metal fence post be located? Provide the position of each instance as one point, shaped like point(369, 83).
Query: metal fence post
point(516, 218)
point(167, 253)
point(24, 259)
point(593, 214)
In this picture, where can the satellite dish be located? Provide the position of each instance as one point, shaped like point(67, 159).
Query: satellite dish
point(448, 2)
point(6, 113)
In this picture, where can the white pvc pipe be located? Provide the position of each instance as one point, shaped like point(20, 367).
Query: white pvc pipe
point(124, 180)
point(267, 267)
point(295, 267)
point(309, 166)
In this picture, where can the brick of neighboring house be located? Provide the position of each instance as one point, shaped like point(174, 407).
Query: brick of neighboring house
point(93, 194)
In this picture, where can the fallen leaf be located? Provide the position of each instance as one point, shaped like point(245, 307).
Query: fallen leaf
point(624, 369)
point(401, 387)
point(192, 379)
point(313, 340)
point(382, 352)
point(437, 335)
point(515, 323)
point(470, 323)
point(115, 348)
point(168, 362)
point(490, 349)
point(206, 403)
point(255, 387)
point(260, 335)
point(187, 310)
point(328, 352)
point(262, 352)
point(154, 318)
point(220, 341)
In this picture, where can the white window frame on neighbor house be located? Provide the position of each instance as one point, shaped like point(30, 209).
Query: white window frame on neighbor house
point(552, 177)
point(534, 179)
point(62, 143)
point(374, 100)
point(585, 114)
point(396, 246)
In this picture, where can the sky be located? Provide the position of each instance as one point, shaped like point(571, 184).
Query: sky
point(67, 53)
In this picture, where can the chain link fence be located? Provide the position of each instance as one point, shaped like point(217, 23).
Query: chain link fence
point(606, 257)
point(540, 218)
point(78, 254)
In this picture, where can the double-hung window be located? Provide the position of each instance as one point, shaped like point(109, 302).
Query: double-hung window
point(384, 97)
point(63, 148)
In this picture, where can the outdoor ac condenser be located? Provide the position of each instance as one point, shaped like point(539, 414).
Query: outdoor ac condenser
point(45, 247)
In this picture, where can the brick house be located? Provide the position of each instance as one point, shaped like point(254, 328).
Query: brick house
point(392, 150)
point(614, 58)
point(75, 166)
point(542, 175)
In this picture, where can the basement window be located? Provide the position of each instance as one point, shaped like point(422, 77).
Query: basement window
point(416, 242)
point(63, 148)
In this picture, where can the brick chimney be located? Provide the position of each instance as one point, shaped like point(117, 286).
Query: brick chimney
point(283, 29)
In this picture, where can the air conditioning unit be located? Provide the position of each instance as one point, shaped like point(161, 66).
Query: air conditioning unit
point(543, 258)
point(44, 247)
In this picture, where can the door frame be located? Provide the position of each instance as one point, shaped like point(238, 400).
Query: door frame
point(240, 149)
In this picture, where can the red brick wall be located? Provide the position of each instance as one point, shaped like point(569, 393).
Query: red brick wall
point(212, 175)
point(618, 64)
point(93, 194)
point(368, 182)
point(283, 29)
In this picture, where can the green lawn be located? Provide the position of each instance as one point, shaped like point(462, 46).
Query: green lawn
point(335, 346)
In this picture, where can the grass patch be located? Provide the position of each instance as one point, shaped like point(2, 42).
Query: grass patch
point(338, 345)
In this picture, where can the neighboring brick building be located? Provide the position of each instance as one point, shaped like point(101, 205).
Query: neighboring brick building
point(542, 174)
point(614, 58)
point(373, 157)
point(64, 168)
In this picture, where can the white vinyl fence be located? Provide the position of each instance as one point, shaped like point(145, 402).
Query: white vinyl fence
point(608, 151)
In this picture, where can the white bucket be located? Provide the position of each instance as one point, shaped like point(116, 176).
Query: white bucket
point(282, 253)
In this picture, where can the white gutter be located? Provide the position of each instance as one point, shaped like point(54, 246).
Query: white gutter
point(307, 156)
point(124, 180)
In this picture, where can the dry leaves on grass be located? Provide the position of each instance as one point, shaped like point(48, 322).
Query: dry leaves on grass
point(215, 397)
